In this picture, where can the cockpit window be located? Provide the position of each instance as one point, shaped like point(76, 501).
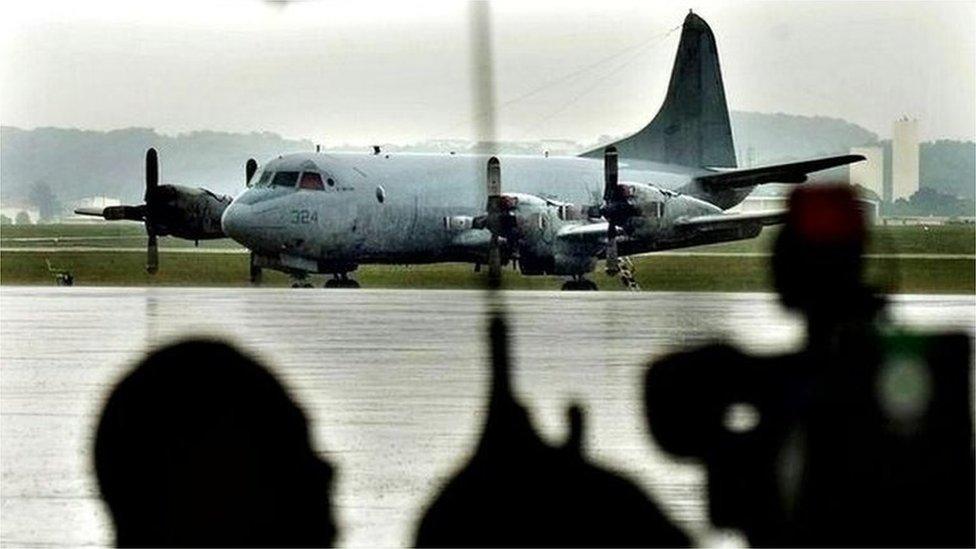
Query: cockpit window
point(312, 181)
point(264, 180)
point(284, 179)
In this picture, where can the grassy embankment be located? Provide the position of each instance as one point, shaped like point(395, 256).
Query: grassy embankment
point(950, 274)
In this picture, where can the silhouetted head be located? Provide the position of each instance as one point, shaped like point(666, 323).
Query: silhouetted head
point(201, 446)
point(817, 263)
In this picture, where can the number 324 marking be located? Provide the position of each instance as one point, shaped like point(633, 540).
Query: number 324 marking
point(304, 217)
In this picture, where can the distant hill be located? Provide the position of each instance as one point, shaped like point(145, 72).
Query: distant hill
point(762, 138)
point(79, 163)
point(75, 163)
point(948, 167)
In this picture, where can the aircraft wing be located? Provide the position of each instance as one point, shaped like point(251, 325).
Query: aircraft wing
point(591, 232)
point(718, 222)
point(97, 212)
point(114, 213)
point(793, 172)
point(472, 239)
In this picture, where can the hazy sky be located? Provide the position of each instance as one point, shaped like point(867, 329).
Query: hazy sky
point(371, 72)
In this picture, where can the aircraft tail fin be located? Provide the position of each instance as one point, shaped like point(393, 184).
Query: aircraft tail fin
point(692, 128)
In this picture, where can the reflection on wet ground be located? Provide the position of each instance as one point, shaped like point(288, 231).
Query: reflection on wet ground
point(393, 381)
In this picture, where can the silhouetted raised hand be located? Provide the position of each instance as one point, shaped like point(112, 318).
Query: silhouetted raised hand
point(516, 490)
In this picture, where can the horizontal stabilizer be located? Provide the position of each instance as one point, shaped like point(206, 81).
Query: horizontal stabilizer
point(719, 222)
point(793, 172)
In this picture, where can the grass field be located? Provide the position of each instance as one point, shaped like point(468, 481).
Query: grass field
point(702, 271)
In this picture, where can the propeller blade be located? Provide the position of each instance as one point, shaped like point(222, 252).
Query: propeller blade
point(249, 169)
point(610, 194)
point(152, 172)
point(496, 221)
point(152, 254)
point(609, 173)
point(494, 177)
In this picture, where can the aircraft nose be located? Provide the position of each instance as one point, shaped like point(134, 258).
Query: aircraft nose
point(233, 222)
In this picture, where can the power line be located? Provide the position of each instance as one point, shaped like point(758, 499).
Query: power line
point(490, 112)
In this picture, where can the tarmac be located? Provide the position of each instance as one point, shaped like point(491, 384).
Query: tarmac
point(393, 382)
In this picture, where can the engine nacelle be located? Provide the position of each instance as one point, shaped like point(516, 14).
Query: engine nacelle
point(185, 212)
point(644, 209)
point(537, 222)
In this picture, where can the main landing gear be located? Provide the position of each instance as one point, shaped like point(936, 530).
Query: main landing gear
point(341, 280)
point(300, 281)
point(579, 284)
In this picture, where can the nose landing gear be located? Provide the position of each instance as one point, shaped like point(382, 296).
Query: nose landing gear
point(255, 270)
point(300, 280)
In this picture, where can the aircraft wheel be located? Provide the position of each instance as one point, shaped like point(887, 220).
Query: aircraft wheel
point(579, 286)
point(255, 271)
point(340, 283)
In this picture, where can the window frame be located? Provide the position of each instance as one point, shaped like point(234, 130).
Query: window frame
point(301, 179)
point(265, 179)
point(294, 185)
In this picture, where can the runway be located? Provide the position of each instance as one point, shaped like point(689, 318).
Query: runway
point(211, 250)
point(393, 382)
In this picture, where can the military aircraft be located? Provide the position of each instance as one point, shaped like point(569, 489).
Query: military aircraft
point(665, 187)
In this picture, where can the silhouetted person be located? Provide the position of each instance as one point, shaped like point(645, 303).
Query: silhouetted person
point(516, 490)
point(864, 438)
point(201, 446)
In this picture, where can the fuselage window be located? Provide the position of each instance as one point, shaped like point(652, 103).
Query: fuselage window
point(284, 179)
point(264, 180)
point(311, 181)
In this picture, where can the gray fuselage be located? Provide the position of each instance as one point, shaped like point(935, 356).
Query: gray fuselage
point(403, 208)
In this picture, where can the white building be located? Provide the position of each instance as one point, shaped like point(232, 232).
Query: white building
point(869, 173)
point(904, 158)
point(12, 211)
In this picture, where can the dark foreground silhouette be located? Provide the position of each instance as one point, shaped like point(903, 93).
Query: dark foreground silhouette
point(516, 490)
point(201, 446)
point(863, 438)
